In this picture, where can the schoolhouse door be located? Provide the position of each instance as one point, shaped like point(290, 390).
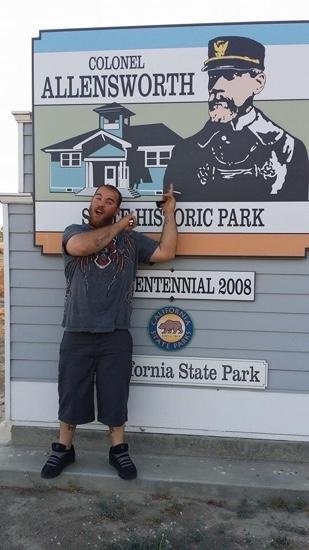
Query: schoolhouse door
point(110, 175)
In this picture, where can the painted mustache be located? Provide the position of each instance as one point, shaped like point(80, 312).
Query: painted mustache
point(229, 103)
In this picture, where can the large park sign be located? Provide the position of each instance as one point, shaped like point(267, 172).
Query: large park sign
point(219, 110)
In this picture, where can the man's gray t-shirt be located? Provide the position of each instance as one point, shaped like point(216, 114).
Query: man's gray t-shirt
point(100, 286)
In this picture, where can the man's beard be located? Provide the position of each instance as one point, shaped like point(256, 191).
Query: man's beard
point(223, 109)
point(101, 222)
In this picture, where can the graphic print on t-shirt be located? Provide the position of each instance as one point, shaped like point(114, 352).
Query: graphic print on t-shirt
point(116, 255)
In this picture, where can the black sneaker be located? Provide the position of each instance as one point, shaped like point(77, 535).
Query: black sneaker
point(120, 459)
point(59, 458)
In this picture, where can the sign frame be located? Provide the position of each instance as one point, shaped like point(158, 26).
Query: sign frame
point(238, 239)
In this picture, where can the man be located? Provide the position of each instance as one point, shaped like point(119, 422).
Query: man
point(101, 260)
point(240, 154)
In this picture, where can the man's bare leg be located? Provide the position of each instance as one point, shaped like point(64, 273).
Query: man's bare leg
point(66, 434)
point(116, 434)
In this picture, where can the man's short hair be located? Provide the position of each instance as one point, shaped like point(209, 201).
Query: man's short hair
point(113, 188)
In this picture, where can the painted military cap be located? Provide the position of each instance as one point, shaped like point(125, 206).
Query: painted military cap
point(234, 52)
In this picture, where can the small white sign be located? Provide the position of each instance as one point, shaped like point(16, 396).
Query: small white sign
point(196, 285)
point(234, 373)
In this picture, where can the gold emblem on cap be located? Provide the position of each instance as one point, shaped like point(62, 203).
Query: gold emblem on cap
point(220, 48)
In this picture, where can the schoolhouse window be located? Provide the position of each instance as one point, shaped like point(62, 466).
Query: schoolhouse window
point(76, 158)
point(164, 157)
point(157, 158)
point(70, 159)
point(65, 159)
point(151, 158)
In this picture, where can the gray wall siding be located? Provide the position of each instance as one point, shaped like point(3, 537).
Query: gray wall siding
point(274, 327)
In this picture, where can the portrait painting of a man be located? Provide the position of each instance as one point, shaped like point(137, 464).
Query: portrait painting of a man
point(240, 154)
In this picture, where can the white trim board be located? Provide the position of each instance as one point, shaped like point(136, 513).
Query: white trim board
point(16, 198)
point(179, 410)
point(20, 157)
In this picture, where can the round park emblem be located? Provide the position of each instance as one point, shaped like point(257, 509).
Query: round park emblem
point(170, 328)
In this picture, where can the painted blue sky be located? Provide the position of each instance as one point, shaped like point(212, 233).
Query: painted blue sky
point(177, 36)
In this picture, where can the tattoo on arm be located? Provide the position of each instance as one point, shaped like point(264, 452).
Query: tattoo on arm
point(71, 427)
point(167, 219)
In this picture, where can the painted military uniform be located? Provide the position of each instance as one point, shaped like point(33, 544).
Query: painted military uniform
point(254, 161)
point(250, 158)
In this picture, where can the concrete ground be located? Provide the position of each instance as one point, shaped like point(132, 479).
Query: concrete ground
point(190, 493)
point(211, 476)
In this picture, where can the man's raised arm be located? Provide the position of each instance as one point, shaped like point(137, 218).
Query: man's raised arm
point(168, 241)
point(93, 241)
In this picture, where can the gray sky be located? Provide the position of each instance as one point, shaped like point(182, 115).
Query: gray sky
point(20, 21)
